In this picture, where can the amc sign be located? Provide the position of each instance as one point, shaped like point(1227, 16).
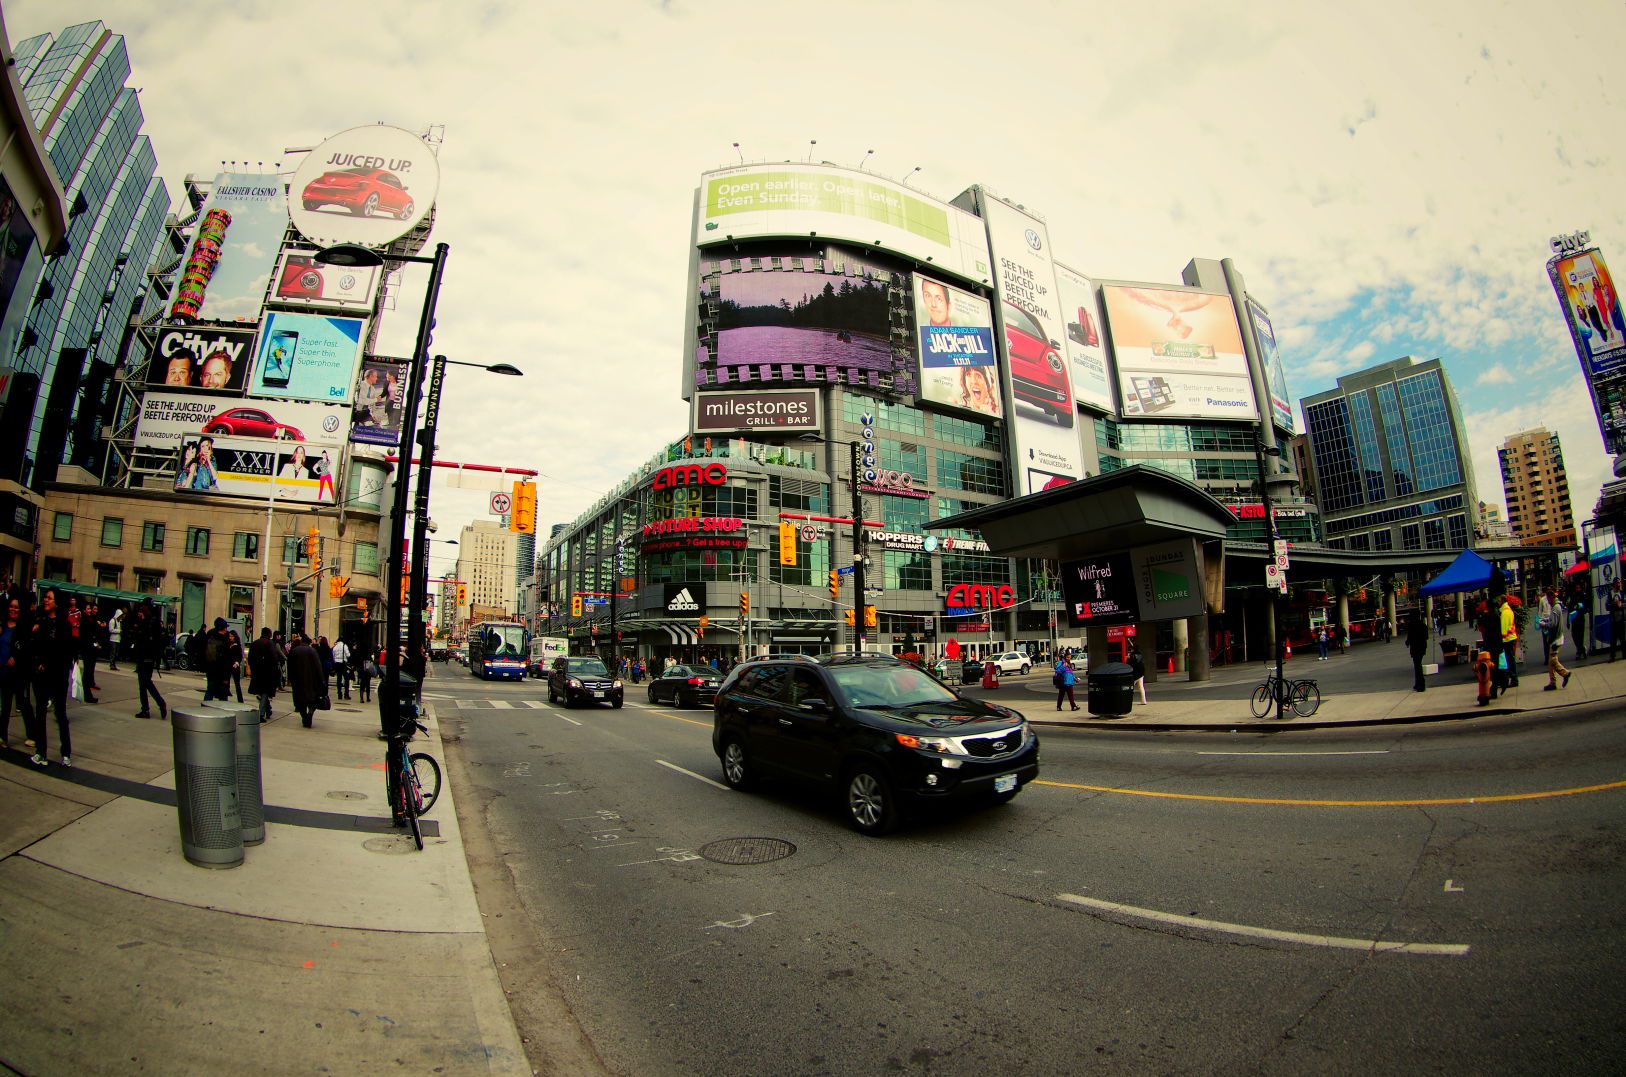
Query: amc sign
point(669, 478)
point(980, 596)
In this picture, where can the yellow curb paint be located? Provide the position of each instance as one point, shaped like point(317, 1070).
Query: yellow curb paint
point(1494, 799)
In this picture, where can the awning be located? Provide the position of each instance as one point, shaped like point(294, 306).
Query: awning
point(1469, 572)
point(112, 594)
point(1579, 566)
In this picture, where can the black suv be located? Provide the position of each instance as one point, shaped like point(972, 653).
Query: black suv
point(582, 679)
point(884, 732)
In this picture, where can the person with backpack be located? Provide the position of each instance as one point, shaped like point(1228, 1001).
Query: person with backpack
point(1064, 680)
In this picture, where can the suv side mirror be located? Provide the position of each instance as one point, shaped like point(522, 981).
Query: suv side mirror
point(816, 705)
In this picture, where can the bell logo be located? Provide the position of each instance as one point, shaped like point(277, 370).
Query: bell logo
point(683, 602)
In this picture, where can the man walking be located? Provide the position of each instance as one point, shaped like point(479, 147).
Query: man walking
point(216, 653)
point(263, 673)
point(341, 668)
point(1615, 606)
point(1510, 639)
point(1417, 644)
point(148, 641)
point(306, 678)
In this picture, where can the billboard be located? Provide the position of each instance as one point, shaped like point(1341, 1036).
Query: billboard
point(1086, 350)
point(228, 263)
point(368, 185)
point(380, 392)
point(246, 467)
point(1264, 335)
point(307, 357)
point(844, 204)
point(1179, 353)
point(1592, 308)
point(958, 364)
point(1038, 388)
point(215, 360)
point(302, 280)
point(830, 312)
point(756, 410)
point(1100, 590)
point(168, 420)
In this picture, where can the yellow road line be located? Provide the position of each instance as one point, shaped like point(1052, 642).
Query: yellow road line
point(1495, 799)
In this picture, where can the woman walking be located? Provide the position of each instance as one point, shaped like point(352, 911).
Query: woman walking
point(237, 664)
point(1064, 681)
point(149, 640)
point(14, 670)
point(50, 658)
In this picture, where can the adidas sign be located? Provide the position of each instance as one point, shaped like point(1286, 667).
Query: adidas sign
point(683, 602)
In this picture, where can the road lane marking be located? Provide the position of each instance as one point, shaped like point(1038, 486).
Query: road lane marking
point(1500, 798)
point(535, 704)
point(1370, 945)
point(1375, 751)
point(500, 704)
point(692, 774)
point(567, 718)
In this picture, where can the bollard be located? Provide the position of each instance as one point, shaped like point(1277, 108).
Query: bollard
point(250, 786)
point(206, 787)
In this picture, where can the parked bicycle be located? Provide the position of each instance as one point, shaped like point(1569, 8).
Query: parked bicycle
point(1302, 698)
point(414, 779)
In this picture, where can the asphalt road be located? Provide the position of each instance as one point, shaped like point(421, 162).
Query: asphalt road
point(1396, 899)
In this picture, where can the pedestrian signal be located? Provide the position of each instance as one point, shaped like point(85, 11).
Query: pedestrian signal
point(787, 543)
point(869, 616)
point(745, 604)
point(835, 584)
point(848, 614)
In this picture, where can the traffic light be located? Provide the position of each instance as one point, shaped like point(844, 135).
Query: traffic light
point(704, 621)
point(745, 604)
point(787, 543)
point(361, 604)
point(870, 619)
point(848, 615)
point(522, 513)
point(462, 594)
point(575, 605)
point(313, 549)
point(835, 584)
point(337, 586)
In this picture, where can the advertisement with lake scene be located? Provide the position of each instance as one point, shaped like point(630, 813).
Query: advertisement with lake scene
point(831, 316)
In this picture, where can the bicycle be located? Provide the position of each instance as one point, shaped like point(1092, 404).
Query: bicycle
point(1302, 697)
point(414, 780)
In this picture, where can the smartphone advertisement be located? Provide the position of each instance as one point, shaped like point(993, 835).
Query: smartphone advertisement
point(308, 357)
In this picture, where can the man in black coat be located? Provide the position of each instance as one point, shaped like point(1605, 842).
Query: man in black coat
point(264, 671)
point(147, 643)
point(306, 678)
point(1417, 644)
point(216, 655)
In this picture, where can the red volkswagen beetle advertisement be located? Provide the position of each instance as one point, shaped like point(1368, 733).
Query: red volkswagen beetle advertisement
point(368, 185)
point(168, 419)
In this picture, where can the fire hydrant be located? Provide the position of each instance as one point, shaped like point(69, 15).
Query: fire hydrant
point(990, 675)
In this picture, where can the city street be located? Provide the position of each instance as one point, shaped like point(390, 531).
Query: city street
point(1401, 898)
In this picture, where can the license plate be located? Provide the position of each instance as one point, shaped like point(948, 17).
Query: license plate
point(1004, 783)
point(598, 695)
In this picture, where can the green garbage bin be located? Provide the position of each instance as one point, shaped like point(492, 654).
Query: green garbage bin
point(1111, 690)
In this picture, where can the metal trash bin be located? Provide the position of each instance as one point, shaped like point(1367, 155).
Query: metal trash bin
point(250, 783)
point(206, 787)
point(1111, 689)
point(971, 672)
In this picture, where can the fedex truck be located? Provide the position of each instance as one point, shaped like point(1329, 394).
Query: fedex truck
point(544, 649)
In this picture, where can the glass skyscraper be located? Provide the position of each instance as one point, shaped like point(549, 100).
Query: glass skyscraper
point(66, 327)
point(1391, 463)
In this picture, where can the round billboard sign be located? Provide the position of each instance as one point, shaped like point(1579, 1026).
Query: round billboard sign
point(368, 185)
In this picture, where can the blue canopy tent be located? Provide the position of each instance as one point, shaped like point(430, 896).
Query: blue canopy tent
point(1469, 572)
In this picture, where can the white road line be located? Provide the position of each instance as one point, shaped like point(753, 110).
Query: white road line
point(1373, 945)
point(1374, 751)
point(535, 704)
point(464, 703)
point(692, 774)
point(500, 704)
point(567, 718)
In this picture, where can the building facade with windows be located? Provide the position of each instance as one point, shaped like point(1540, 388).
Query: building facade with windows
point(1537, 489)
point(487, 554)
point(1390, 459)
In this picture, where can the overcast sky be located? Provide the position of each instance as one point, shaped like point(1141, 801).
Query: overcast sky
point(1385, 175)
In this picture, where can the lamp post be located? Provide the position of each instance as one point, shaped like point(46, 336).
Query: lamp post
point(1260, 451)
point(860, 635)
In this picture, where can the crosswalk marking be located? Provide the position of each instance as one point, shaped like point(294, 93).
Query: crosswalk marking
point(535, 704)
point(501, 704)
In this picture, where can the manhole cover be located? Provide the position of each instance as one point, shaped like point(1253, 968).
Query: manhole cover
point(392, 845)
point(747, 850)
point(345, 794)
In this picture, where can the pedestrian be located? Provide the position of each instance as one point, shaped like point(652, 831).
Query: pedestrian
point(1556, 671)
point(324, 651)
point(1417, 644)
point(366, 670)
point(216, 655)
point(305, 679)
point(282, 658)
point(1483, 674)
point(341, 668)
point(1510, 639)
point(115, 635)
point(1615, 606)
point(1064, 681)
point(1578, 623)
point(1133, 658)
point(1321, 643)
point(263, 677)
point(1549, 615)
point(236, 664)
point(148, 641)
point(51, 656)
point(1339, 635)
point(14, 670)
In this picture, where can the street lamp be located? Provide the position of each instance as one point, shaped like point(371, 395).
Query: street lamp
point(1260, 451)
point(860, 636)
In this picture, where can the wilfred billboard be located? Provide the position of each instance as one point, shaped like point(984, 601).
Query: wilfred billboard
point(368, 185)
point(1264, 335)
point(242, 467)
point(1179, 353)
point(958, 364)
point(168, 420)
point(216, 360)
point(308, 357)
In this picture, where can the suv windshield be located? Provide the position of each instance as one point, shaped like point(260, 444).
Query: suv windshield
point(888, 685)
point(591, 666)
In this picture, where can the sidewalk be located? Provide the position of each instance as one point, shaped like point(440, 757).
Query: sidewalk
point(335, 947)
point(1370, 684)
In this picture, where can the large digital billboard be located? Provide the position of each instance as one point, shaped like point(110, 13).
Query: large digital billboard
point(843, 204)
point(242, 467)
point(369, 185)
point(1264, 335)
point(1085, 347)
point(959, 365)
point(304, 281)
point(1179, 353)
point(307, 357)
point(196, 357)
point(1592, 308)
point(1038, 386)
point(168, 420)
point(228, 263)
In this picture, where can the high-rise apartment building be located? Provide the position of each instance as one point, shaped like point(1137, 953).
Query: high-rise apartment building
point(1538, 491)
point(1390, 459)
point(486, 554)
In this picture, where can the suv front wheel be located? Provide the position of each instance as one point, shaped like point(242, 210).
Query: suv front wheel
point(871, 807)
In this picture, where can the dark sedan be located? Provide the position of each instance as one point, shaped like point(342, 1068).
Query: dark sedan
point(685, 686)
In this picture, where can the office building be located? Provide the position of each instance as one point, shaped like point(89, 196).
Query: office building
point(486, 555)
point(1390, 459)
point(1537, 489)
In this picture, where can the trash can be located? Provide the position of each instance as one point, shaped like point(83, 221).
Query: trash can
point(250, 785)
point(206, 787)
point(1111, 689)
point(971, 672)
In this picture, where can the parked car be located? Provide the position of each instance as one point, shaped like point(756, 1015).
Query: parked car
point(363, 191)
point(884, 733)
point(1012, 662)
point(1038, 372)
point(582, 679)
point(685, 686)
point(251, 423)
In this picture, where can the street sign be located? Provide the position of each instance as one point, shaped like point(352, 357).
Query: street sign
point(1276, 576)
point(810, 533)
point(500, 503)
point(1281, 561)
point(844, 570)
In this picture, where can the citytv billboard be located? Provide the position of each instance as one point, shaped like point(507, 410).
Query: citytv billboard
point(205, 359)
point(1179, 353)
point(830, 202)
point(959, 366)
point(308, 357)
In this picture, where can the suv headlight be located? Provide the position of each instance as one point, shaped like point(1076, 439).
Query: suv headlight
point(942, 745)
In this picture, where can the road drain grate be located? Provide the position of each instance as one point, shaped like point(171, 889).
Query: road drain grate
point(747, 850)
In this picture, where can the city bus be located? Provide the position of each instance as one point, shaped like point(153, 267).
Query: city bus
point(497, 649)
